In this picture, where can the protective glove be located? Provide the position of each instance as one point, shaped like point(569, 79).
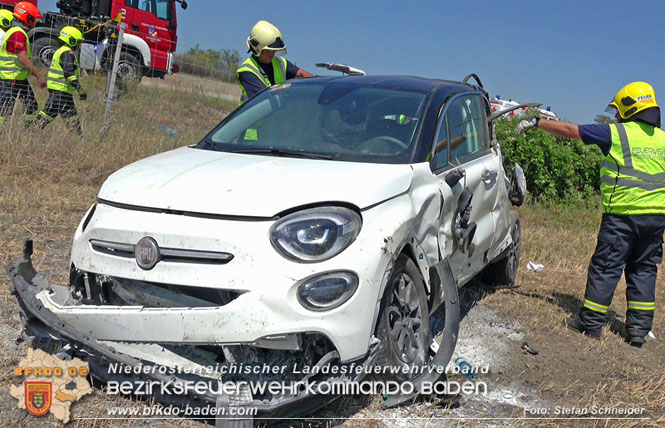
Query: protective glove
point(83, 96)
point(526, 124)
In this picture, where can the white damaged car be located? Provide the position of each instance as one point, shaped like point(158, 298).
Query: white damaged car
point(326, 221)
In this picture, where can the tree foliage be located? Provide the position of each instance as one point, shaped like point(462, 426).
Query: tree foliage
point(603, 118)
point(557, 169)
point(218, 64)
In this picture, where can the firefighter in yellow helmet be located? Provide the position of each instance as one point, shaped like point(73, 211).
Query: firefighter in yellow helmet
point(6, 19)
point(632, 186)
point(15, 64)
point(263, 69)
point(63, 80)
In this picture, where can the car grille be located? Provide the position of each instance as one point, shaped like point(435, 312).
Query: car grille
point(166, 254)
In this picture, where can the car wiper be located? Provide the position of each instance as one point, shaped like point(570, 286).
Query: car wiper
point(280, 152)
point(206, 144)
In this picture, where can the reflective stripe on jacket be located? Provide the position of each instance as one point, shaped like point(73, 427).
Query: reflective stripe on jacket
point(55, 79)
point(10, 66)
point(632, 175)
point(250, 65)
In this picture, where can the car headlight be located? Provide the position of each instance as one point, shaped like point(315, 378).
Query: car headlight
point(316, 234)
point(327, 291)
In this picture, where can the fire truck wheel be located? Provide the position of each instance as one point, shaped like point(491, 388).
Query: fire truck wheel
point(43, 49)
point(129, 67)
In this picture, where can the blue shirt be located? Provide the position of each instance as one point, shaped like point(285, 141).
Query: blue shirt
point(598, 134)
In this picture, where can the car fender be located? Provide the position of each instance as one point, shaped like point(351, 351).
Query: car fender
point(410, 224)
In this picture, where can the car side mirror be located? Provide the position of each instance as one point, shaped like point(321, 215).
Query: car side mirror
point(517, 190)
point(454, 177)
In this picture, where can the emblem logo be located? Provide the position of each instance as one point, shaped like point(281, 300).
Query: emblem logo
point(146, 253)
point(38, 397)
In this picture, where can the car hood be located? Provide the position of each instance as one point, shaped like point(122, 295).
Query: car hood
point(203, 181)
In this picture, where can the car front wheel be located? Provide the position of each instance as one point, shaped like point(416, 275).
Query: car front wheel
point(403, 323)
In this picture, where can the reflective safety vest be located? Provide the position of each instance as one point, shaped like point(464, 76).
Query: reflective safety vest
point(55, 79)
point(632, 175)
point(10, 67)
point(250, 65)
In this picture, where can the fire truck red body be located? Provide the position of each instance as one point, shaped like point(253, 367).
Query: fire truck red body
point(150, 33)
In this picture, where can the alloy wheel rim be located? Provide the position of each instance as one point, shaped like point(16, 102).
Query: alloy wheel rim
point(126, 70)
point(515, 253)
point(46, 55)
point(405, 319)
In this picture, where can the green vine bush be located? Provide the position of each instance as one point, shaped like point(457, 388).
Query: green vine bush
point(557, 169)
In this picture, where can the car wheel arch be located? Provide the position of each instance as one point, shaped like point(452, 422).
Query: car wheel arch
point(423, 266)
point(425, 269)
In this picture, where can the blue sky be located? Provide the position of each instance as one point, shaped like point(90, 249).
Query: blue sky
point(571, 55)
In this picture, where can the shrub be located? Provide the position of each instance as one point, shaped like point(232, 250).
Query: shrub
point(557, 169)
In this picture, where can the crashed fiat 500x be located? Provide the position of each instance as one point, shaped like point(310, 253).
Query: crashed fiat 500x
point(325, 221)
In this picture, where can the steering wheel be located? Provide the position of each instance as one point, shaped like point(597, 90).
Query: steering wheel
point(386, 139)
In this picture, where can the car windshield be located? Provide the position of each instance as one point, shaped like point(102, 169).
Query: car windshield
point(346, 122)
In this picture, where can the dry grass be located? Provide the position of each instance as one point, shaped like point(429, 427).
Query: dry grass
point(196, 85)
point(48, 178)
point(572, 370)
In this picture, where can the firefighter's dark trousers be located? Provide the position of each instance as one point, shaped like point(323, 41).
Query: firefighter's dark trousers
point(60, 104)
point(626, 243)
point(10, 91)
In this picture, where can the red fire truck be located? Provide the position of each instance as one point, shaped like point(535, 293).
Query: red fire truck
point(148, 45)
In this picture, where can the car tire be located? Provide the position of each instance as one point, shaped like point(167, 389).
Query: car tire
point(403, 322)
point(43, 49)
point(504, 271)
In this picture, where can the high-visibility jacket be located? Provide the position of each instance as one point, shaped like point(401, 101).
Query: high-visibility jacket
point(10, 67)
point(55, 79)
point(632, 175)
point(250, 65)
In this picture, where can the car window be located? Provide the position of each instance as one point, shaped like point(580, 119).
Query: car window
point(441, 151)
point(467, 125)
point(343, 121)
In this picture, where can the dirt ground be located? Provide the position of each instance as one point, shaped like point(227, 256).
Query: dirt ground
point(46, 185)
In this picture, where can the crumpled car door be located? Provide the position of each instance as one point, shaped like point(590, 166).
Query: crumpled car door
point(463, 150)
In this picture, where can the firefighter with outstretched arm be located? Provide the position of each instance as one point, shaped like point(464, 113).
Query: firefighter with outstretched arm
point(264, 69)
point(632, 186)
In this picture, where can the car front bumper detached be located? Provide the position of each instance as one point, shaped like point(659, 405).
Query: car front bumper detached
point(39, 321)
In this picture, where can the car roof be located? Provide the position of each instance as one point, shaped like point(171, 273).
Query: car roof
point(407, 83)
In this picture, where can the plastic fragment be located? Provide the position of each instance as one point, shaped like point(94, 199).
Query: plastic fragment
point(536, 267)
point(529, 349)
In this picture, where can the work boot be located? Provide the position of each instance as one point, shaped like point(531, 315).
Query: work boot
point(636, 341)
point(573, 324)
point(635, 336)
